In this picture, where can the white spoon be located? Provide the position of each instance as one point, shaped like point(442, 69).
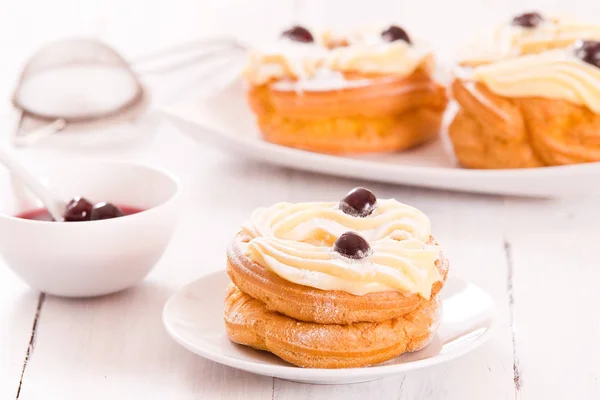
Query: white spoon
point(55, 206)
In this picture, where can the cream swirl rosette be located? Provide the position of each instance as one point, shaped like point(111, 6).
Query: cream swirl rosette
point(335, 55)
point(298, 241)
point(556, 74)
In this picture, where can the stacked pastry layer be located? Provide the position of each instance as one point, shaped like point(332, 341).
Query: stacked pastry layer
point(323, 288)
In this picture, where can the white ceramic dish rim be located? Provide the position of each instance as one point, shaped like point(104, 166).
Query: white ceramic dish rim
point(256, 143)
point(293, 372)
point(541, 182)
point(173, 197)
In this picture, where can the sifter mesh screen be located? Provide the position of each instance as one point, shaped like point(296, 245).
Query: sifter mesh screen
point(77, 80)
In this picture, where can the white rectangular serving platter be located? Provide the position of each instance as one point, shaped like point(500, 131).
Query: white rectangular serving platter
point(224, 120)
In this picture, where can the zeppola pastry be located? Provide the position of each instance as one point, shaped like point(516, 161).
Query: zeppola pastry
point(335, 284)
point(365, 91)
point(541, 108)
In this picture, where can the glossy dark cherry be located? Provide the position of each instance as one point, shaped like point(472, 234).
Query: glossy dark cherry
point(588, 51)
point(105, 211)
point(394, 33)
point(359, 202)
point(352, 245)
point(299, 34)
point(78, 209)
point(528, 20)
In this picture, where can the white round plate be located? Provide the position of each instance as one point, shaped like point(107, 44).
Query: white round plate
point(224, 120)
point(194, 318)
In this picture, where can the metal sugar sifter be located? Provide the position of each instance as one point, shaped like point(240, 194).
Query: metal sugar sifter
point(84, 82)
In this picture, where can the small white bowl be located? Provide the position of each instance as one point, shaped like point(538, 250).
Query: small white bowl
point(77, 259)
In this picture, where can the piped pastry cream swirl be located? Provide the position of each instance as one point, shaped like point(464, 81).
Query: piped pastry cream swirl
point(336, 56)
point(396, 58)
point(295, 241)
point(556, 74)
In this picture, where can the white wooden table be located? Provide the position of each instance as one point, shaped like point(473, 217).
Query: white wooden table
point(537, 258)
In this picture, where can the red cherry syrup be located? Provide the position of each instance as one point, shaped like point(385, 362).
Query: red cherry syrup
point(42, 214)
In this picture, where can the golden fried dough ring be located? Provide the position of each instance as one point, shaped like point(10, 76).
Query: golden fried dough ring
point(388, 115)
point(490, 131)
point(312, 345)
point(314, 305)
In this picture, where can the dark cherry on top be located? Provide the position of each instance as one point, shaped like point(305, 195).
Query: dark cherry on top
point(41, 214)
point(528, 20)
point(588, 51)
point(299, 34)
point(359, 202)
point(394, 33)
point(352, 245)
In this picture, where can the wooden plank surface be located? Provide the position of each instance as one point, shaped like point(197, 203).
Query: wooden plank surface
point(113, 343)
point(554, 252)
point(536, 258)
point(18, 306)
